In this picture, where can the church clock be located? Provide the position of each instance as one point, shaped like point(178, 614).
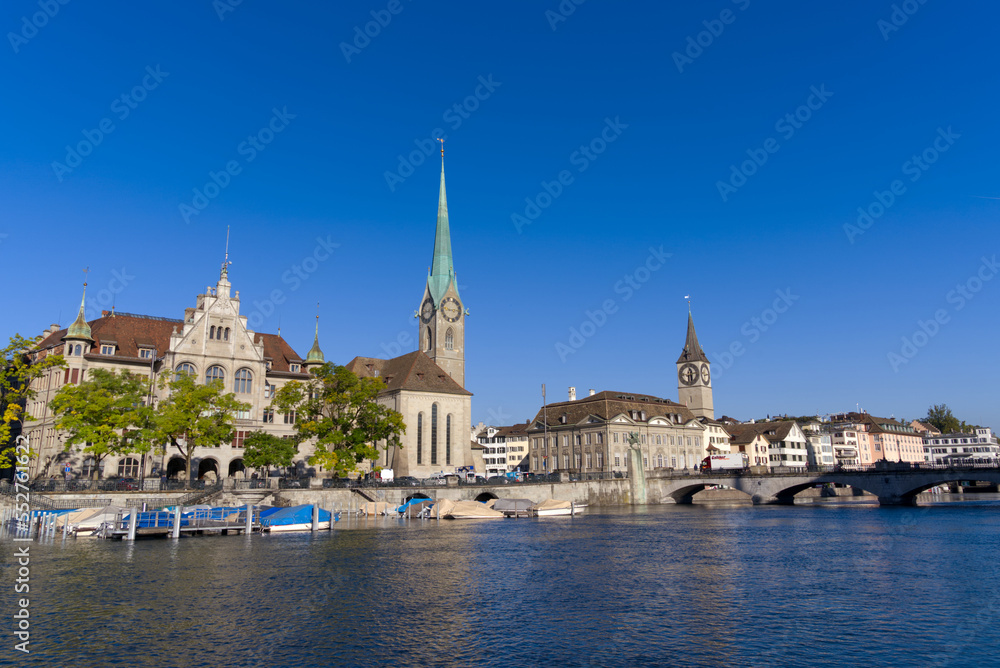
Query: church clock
point(705, 374)
point(451, 309)
point(427, 310)
point(688, 374)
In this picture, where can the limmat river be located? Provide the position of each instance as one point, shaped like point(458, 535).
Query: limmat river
point(645, 586)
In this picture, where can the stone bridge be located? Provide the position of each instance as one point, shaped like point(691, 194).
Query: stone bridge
point(892, 487)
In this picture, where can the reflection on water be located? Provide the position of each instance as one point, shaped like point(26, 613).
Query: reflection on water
point(646, 586)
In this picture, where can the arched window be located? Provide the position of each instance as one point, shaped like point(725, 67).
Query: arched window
point(211, 332)
point(420, 438)
point(183, 368)
point(225, 334)
point(434, 434)
point(128, 467)
point(428, 339)
point(215, 373)
point(449, 340)
point(447, 437)
point(78, 350)
point(244, 381)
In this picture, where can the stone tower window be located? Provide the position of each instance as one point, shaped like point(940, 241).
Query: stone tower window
point(449, 340)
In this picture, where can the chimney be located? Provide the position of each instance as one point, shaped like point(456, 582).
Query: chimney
point(572, 394)
point(593, 392)
point(53, 328)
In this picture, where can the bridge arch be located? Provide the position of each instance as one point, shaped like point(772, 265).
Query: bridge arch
point(685, 493)
point(787, 494)
point(486, 496)
point(910, 496)
point(418, 495)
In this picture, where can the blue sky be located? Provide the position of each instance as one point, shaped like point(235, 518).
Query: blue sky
point(743, 153)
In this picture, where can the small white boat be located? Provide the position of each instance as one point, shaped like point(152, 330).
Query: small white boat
point(467, 510)
point(553, 508)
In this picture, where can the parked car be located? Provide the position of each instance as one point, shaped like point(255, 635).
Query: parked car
point(430, 482)
point(127, 485)
point(498, 480)
point(407, 480)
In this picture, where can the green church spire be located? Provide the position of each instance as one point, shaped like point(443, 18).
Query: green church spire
point(80, 329)
point(315, 355)
point(442, 267)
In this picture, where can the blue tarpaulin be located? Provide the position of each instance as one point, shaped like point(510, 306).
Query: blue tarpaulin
point(295, 515)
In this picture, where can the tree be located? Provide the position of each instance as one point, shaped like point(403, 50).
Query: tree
point(263, 450)
point(341, 411)
point(107, 413)
point(939, 416)
point(194, 415)
point(18, 369)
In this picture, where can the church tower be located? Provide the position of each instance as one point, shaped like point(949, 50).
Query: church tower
point(442, 313)
point(694, 377)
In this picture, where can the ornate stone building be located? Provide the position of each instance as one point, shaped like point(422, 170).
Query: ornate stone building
point(212, 341)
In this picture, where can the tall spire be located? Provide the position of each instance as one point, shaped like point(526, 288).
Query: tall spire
point(315, 355)
point(442, 267)
point(226, 262)
point(692, 349)
point(80, 329)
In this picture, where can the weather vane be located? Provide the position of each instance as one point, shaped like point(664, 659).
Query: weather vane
point(440, 139)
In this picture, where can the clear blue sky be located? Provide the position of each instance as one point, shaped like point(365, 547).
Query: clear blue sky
point(887, 92)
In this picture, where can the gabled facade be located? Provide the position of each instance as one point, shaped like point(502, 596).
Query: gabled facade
point(212, 342)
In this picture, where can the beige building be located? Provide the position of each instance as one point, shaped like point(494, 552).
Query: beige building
point(592, 434)
point(505, 449)
point(212, 341)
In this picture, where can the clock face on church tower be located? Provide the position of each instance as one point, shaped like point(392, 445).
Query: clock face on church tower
point(705, 374)
point(688, 374)
point(451, 309)
point(427, 310)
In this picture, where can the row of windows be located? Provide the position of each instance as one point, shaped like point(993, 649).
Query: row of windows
point(434, 438)
point(243, 383)
point(218, 333)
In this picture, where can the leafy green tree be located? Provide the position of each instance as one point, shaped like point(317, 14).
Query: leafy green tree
point(262, 451)
point(341, 411)
point(194, 415)
point(939, 416)
point(107, 413)
point(17, 371)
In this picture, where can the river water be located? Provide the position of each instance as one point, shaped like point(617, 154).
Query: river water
point(646, 586)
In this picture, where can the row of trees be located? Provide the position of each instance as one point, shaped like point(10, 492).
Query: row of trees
point(111, 414)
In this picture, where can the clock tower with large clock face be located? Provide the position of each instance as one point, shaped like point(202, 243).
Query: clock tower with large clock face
point(694, 376)
point(442, 313)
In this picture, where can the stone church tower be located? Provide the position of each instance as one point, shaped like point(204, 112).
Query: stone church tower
point(694, 377)
point(442, 313)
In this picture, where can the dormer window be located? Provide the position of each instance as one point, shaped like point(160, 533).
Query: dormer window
point(294, 368)
point(146, 353)
point(107, 349)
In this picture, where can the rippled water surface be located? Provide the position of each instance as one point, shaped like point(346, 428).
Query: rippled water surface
point(665, 585)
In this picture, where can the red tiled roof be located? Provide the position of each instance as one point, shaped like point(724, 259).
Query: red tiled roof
point(413, 371)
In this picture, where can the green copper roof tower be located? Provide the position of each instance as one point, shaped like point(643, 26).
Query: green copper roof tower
point(315, 355)
point(442, 267)
point(80, 329)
